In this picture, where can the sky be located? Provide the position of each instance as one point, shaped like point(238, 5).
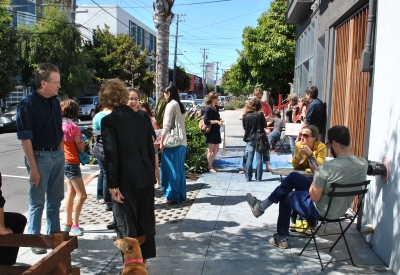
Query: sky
point(217, 27)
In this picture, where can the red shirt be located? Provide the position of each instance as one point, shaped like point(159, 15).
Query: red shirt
point(267, 110)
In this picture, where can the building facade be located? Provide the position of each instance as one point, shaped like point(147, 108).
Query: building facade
point(119, 21)
point(347, 48)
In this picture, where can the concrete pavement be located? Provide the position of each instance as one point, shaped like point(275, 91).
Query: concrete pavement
point(215, 232)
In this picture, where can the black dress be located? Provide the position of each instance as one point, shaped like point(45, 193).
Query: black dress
point(214, 136)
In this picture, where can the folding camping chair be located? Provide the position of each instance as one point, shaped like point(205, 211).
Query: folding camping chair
point(339, 190)
point(281, 142)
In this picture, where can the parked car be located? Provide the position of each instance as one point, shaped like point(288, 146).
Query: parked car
point(201, 103)
point(87, 105)
point(189, 104)
point(191, 97)
point(8, 120)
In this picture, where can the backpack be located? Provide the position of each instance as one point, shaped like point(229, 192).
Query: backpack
point(204, 127)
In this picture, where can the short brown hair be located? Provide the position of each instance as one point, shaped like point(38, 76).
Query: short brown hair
point(113, 93)
point(210, 97)
point(258, 91)
point(69, 109)
point(43, 73)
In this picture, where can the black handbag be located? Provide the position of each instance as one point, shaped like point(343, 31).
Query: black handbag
point(98, 150)
point(261, 140)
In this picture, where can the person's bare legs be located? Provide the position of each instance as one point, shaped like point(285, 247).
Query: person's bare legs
point(157, 170)
point(80, 198)
point(69, 202)
point(211, 154)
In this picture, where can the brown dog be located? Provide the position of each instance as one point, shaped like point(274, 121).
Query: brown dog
point(133, 259)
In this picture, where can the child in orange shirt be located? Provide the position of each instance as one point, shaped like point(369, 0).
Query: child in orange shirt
point(72, 144)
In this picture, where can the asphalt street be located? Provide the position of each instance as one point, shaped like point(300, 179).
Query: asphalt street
point(15, 176)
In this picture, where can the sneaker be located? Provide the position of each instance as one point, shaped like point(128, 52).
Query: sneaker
point(276, 240)
point(67, 228)
point(75, 232)
point(254, 205)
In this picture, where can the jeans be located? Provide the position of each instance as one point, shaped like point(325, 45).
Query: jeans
point(245, 154)
point(274, 135)
point(102, 187)
point(292, 144)
point(16, 222)
point(51, 170)
point(250, 147)
point(292, 194)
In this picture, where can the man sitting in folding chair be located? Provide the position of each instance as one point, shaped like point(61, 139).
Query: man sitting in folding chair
point(309, 196)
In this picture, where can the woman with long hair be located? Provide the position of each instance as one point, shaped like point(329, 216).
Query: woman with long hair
point(253, 120)
point(213, 138)
point(146, 107)
point(129, 158)
point(173, 178)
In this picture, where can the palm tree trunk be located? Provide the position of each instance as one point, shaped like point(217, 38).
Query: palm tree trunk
point(162, 17)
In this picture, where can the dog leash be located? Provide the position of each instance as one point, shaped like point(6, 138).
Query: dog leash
point(133, 261)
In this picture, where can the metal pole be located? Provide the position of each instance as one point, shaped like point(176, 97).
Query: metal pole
point(216, 77)
point(175, 55)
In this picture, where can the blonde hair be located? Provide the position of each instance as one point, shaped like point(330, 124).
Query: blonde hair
point(305, 101)
point(258, 91)
point(210, 97)
point(292, 96)
point(113, 93)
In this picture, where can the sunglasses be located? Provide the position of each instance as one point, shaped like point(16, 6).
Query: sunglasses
point(304, 135)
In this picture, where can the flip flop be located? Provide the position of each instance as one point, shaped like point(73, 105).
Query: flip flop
point(241, 172)
point(212, 170)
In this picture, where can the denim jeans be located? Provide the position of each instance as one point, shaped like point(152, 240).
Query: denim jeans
point(274, 135)
point(245, 154)
point(292, 194)
point(102, 187)
point(292, 144)
point(51, 170)
point(250, 147)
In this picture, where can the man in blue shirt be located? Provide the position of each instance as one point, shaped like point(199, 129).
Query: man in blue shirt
point(39, 123)
point(316, 109)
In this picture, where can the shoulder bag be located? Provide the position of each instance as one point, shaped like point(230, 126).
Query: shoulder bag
point(174, 137)
point(98, 150)
point(84, 158)
point(261, 140)
point(204, 127)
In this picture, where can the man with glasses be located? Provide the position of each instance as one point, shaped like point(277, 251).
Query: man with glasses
point(309, 196)
point(39, 123)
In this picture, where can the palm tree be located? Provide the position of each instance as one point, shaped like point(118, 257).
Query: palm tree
point(162, 17)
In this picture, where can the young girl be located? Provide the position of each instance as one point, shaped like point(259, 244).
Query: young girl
point(72, 144)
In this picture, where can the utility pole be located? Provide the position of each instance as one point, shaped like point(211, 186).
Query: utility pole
point(216, 77)
point(176, 48)
point(204, 70)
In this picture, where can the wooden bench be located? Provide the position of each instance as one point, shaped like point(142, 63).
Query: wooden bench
point(57, 261)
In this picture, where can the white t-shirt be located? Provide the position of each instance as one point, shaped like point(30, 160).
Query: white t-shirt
point(341, 170)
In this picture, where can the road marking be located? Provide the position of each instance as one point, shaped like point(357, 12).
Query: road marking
point(19, 177)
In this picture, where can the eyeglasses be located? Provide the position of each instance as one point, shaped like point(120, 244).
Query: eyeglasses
point(57, 83)
point(134, 98)
point(304, 135)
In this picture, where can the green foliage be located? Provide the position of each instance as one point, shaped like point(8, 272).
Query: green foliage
point(182, 78)
point(196, 147)
point(268, 55)
point(114, 56)
point(229, 106)
point(159, 112)
point(55, 40)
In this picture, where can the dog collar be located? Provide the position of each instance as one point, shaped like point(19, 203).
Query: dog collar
point(133, 261)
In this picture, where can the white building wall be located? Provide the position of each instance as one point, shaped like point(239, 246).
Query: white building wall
point(382, 205)
point(98, 17)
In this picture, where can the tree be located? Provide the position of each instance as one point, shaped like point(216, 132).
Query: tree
point(162, 17)
point(54, 39)
point(117, 56)
point(268, 55)
point(182, 78)
point(8, 51)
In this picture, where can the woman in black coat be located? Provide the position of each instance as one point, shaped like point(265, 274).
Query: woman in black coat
point(129, 157)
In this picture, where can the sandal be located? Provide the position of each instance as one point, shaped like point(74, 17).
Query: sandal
point(171, 202)
point(102, 201)
point(212, 170)
point(241, 172)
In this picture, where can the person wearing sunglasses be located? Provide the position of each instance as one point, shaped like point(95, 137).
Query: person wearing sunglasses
point(308, 146)
point(309, 196)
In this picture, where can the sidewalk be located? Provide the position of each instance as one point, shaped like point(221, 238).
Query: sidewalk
point(216, 233)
